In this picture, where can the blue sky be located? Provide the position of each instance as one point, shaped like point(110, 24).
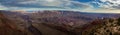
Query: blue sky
point(104, 6)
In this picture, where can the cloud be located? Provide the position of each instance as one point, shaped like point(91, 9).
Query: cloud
point(108, 4)
point(59, 4)
point(2, 7)
point(105, 6)
point(102, 11)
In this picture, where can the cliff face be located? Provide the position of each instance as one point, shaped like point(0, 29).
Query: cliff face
point(7, 27)
point(14, 23)
point(11, 27)
point(58, 23)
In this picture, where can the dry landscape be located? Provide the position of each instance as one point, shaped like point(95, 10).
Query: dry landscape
point(58, 23)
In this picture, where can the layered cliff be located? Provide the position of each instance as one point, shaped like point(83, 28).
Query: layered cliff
point(58, 23)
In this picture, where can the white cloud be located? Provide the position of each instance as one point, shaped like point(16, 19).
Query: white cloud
point(105, 5)
point(59, 3)
point(46, 2)
point(101, 11)
point(109, 4)
point(2, 7)
point(43, 2)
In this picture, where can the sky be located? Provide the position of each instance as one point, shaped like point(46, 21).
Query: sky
point(95, 6)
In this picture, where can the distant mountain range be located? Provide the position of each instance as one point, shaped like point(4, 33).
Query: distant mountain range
point(52, 22)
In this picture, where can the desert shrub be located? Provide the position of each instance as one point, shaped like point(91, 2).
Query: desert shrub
point(111, 20)
point(118, 19)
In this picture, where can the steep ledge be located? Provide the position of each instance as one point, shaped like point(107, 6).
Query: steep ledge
point(8, 27)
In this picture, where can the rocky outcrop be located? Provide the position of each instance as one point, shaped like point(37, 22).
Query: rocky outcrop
point(107, 27)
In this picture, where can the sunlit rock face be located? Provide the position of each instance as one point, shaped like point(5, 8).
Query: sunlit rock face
point(57, 22)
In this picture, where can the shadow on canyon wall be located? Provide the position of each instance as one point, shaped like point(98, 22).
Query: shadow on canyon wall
point(58, 23)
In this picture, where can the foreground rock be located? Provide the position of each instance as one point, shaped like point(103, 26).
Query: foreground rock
point(107, 27)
